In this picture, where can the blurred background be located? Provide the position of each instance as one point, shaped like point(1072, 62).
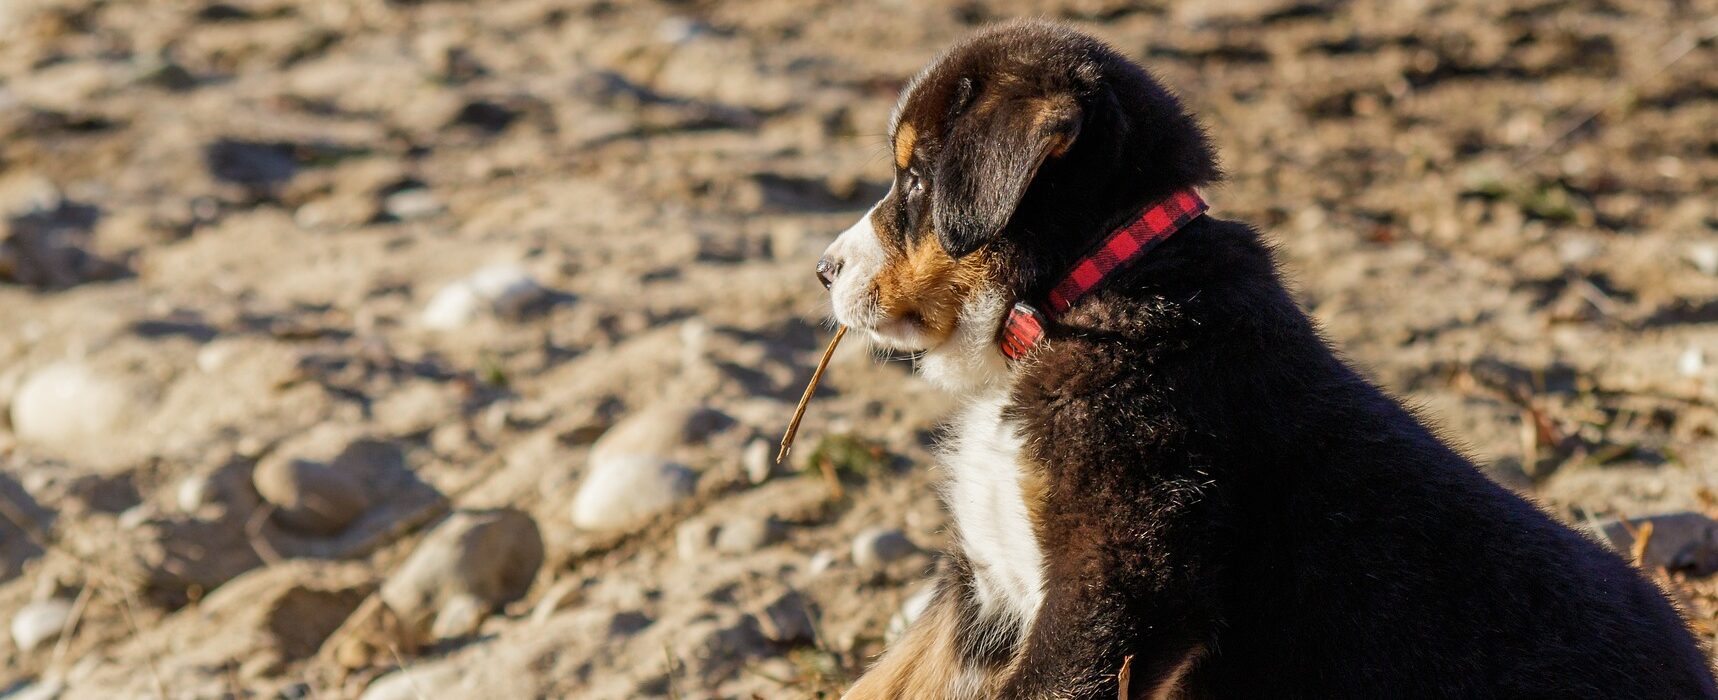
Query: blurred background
point(414, 349)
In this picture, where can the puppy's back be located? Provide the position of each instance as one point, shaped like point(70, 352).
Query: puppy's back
point(1376, 560)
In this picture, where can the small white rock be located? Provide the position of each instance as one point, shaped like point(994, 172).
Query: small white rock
point(69, 402)
point(451, 308)
point(678, 30)
point(631, 476)
point(1577, 249)
point(135, 516)
point(875, 548)
point(758, 461)
point(415, 203)
point(39, 623)
point(694, 538)
point(1692, 362)
point(821, 562)
point(911, 609)
point(627, 490)
point(694, 343)
point(506, 290)
point(196, 491)
point(218, 355)
point(1704, 256)
point(335, 212)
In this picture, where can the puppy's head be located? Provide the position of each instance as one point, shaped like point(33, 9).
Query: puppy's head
point(1012, 152)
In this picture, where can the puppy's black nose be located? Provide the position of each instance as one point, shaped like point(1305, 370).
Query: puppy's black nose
point(827, 270)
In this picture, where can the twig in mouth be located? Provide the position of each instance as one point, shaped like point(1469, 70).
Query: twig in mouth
point(810, 388)
point(1124, 677)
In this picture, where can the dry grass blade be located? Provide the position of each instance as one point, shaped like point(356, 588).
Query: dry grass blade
point(673, 688)
point(69, 628)
point(1124, 677)
point(810, 388)
point(831, 478)
point(406, 668)
point(1642, 538)
point(253, 533)
point(127, 609)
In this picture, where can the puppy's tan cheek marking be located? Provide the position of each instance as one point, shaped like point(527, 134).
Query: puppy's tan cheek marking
point(905, 137)
point(929, 287)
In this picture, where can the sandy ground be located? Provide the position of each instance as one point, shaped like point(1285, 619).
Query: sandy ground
point(285, 284)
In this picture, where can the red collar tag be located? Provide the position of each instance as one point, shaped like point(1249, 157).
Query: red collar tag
point(1026, 324)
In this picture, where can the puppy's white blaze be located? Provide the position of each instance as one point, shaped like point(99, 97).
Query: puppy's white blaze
point(861, 258)
point(989, 509)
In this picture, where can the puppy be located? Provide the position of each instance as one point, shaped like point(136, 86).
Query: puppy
point(1164, 483)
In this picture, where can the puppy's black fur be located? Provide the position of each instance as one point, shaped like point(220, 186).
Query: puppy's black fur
point(1219, 496)
point(1219, 480)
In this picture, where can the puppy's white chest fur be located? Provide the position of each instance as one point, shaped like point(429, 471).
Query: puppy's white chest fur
point(985, 496)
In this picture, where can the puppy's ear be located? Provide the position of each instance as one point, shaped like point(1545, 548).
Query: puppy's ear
point(990, 158)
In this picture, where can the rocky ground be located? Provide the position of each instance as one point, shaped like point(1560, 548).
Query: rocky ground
point(405, 349)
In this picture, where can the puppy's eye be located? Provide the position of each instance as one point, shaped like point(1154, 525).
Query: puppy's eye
point(915, 184)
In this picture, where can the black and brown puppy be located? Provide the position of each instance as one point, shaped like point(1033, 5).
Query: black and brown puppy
point(1177, 474)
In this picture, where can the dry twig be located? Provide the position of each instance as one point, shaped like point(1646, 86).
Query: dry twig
point(810, 388)
point(1124, 677)
point(1642, 538)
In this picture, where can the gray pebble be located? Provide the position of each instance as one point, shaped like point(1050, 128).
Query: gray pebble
point(470, 564)
point(787, 620)
point(1681, 541)
point(746, 534)
point(875, 548)
point(310, 497)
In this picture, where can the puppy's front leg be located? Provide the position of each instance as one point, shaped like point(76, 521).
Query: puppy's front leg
point(1138, 596)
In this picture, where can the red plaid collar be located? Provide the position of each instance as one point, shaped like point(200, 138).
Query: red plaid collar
point(1026, 324)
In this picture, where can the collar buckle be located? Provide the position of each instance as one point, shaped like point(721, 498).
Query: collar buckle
point(1022, 330)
